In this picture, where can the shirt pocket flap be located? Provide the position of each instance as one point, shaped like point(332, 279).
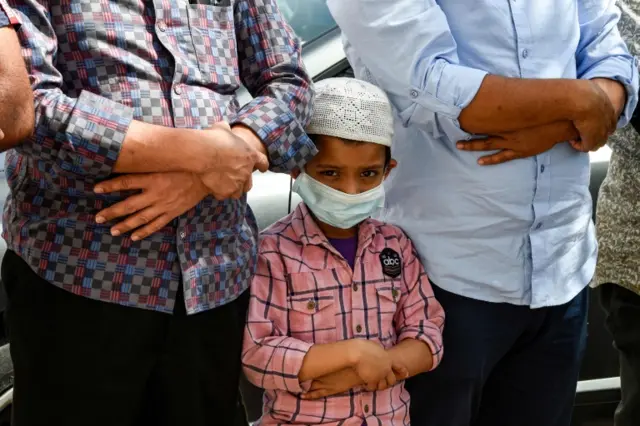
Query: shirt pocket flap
point(311, 304)
point(388, 292)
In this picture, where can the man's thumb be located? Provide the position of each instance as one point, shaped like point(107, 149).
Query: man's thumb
point(262, 163)
point(1, 134)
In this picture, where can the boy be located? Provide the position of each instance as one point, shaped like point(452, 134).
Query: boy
point(340, 304)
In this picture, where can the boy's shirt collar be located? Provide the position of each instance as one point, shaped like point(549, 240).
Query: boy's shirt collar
point(308, 232)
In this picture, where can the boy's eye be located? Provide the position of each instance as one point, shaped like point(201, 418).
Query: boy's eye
point(370, 173)
point(329, 173)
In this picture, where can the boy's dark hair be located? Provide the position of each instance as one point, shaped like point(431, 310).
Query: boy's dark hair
point(387, 150)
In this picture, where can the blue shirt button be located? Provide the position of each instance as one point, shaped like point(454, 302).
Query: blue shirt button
point(542, 169)
point(525, 53)
point(414, 94)
point(539, 225)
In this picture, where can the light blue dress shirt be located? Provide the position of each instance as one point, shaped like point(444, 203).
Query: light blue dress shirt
point(520, 232)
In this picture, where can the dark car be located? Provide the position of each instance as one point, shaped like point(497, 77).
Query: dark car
point(599, 388)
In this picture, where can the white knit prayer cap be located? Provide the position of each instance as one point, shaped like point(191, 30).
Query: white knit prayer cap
point(352, 109)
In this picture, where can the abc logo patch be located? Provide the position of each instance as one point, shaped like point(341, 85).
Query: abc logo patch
point(391, 263)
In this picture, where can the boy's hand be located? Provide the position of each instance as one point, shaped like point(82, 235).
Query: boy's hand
point(345, 380)
point(400, 373)
point(333, 384)
point(373, 364)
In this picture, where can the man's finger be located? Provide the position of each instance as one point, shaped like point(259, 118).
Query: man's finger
point(153, 227)
point(126, 207)
point(488, 144)
point(141, 218)
point(499, 157)
point(123, 183)
point(247, 186)
point(1, 134)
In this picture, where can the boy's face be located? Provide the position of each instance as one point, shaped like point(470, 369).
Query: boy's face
point(350, 167)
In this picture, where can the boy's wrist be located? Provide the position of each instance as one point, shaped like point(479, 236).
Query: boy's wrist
point(353, 352)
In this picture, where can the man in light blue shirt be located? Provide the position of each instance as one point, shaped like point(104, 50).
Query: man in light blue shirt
point(509, 245)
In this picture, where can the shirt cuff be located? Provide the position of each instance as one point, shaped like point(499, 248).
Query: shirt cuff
point(435, 347)
point(449, 90)
point(618, 69)
point(289, 359)
point(288, 145)
point(96, 130)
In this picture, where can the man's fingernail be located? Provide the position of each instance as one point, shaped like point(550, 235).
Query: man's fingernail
point(98, 190)
point(115, 233)
point(100, 219)
point(481, 162)
point(135, 238)
point(459, 145)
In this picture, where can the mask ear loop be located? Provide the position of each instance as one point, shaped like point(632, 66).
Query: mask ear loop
point(290, 194)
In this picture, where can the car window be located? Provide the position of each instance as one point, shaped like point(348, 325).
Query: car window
point(310, 19)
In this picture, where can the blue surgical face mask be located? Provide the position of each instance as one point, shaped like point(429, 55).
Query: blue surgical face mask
point(337, 208)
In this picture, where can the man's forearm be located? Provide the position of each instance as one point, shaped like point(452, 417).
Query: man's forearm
point(414, 355)
point(149, 148)
point(16, 96)
point(615, 91)
point(505, 105)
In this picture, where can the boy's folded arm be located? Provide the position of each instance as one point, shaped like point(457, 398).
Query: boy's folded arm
point(328, 358)
point(419, 317)
point(271, 359)
point(414, 355)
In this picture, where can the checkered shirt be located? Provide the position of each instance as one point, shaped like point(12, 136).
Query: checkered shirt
point(304, 292)
point(97, 65)
point(7, 17)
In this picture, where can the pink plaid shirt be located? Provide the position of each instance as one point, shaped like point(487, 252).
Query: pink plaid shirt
point(304, 292)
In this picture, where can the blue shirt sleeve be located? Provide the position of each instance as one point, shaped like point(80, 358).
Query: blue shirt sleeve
point(408, 50)
point(602, 52)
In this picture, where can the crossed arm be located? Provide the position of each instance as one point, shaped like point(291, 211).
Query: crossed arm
point(417, 64)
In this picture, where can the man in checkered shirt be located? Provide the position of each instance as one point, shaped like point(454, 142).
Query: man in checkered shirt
point(139, 320)
point(16, 101)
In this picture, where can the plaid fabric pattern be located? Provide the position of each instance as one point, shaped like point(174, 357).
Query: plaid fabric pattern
point(304, 292)
point(97, 65)
point(7, 17)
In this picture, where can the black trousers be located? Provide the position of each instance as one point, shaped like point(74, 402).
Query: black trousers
point(82, 362)
point(503, 365)
point(623, 321)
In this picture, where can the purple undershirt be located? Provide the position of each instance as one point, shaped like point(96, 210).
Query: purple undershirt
point(347, 247)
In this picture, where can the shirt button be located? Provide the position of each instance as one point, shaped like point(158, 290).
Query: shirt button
point(358, 328)
point(394, 293)
point(366, 408)
point(177, 89)
point(311, 305)
point(542, 169)
point(525, 53)
point(414, 94)
point(183, 235)
point(355, 287)
point(538, 226)
point(162, 26)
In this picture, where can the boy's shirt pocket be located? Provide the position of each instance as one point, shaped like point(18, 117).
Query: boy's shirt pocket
point(387, 295)
point(312, 306)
